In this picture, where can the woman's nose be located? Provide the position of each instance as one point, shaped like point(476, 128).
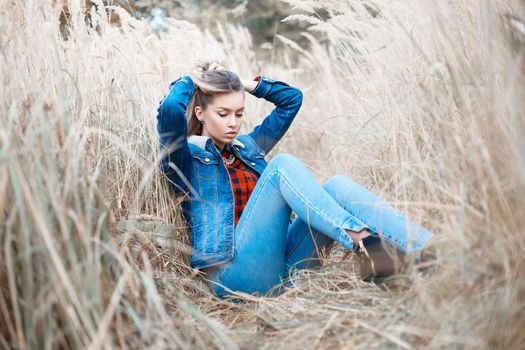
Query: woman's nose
point(232, 121)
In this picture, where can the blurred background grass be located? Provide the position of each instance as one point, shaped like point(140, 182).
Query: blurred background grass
point(421, 101)
point(261, 18)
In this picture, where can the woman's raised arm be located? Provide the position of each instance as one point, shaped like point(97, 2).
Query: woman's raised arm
point(172, 129)
point(287, 100)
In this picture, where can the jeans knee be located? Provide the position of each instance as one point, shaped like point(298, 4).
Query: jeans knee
point(283, 159)
point(335, 183)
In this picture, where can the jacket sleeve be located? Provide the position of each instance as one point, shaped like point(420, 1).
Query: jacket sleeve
point(287, 101)
point(172, 127)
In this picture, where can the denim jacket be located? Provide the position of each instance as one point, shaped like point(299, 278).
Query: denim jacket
point(194, 165)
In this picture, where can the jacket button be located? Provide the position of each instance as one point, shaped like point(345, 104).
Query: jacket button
point(207, 160)
point(252, 163)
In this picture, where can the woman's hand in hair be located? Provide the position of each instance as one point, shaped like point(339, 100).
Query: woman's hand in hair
point(216, 66)
point(203, 67)
point(249, 85)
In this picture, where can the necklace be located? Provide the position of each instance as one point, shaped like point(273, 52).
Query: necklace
point(229, 160)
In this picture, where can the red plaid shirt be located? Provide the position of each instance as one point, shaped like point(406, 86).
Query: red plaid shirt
point(243, 180)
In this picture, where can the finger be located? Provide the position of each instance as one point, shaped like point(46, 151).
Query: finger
point(197, 72)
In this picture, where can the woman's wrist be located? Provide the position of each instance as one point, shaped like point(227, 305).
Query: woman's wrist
point(249, 85)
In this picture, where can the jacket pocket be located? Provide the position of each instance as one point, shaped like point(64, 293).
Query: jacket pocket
point(205, 165)
point(256, 161)
point(257, 153)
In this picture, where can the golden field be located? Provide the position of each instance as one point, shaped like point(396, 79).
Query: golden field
point(423, 102)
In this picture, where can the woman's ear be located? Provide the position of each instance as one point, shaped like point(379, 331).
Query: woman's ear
point(199, 113)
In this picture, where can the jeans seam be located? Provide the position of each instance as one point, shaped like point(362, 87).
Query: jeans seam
point(299, 243)
point(376, 231)
point(326, 217)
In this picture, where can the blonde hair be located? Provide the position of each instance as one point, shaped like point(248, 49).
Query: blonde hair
point(208, 85)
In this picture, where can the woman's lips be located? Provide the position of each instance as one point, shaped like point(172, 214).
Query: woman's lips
point(231, 134)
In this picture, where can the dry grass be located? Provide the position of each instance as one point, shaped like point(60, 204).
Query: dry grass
point(421, 101)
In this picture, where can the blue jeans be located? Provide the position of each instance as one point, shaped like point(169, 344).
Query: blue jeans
point(266, 246)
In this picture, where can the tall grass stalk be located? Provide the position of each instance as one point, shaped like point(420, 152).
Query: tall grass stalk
point(421, 101)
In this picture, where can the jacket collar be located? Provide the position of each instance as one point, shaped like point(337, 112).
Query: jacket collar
point(200, 141)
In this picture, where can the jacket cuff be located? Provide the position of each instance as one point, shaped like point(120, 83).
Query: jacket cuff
point(263, 87)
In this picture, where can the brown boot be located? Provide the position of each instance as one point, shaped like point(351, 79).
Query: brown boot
point(378, 258)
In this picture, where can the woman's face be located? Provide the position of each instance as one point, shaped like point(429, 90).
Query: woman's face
point(222, 119)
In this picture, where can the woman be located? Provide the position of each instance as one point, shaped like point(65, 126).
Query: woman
point(239, 207)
